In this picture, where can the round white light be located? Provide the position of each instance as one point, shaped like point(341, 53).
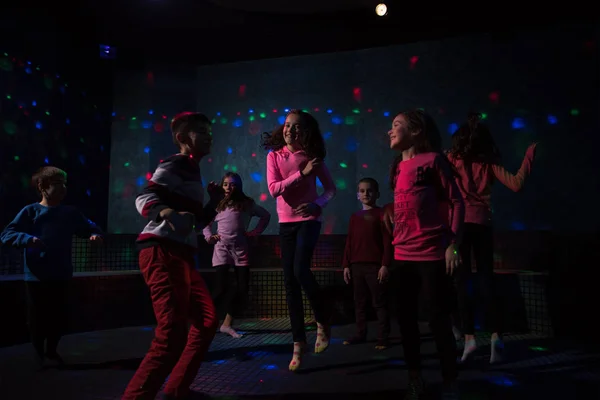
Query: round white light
point(381, 9)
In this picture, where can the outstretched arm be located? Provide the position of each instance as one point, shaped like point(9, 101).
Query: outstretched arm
point(516, 182)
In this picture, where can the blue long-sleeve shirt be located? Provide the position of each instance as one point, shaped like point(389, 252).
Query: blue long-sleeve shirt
point(55, 227)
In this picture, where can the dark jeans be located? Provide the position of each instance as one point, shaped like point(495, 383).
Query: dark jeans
point(366, 286)
point(408, 280)
point(478, 240)
point(298, 241)
point(48, 303)
point(230, 295)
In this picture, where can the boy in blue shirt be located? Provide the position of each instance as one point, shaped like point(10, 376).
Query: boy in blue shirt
point(45, 230)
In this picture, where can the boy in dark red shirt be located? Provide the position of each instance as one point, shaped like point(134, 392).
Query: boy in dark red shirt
point(367, 256)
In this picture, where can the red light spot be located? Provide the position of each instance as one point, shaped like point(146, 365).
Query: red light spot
point(317, 109)
point(238, 113)
point(357, 93)
point(148, 176)
point(209, 160)
point(150, 78)
point(494, 97)
point(253, 154)
point(369, 110)
point(263, 197)
point(242, 90)
point(365, 166)
point(164, 117)
point(413, 62)
point(274, 110)
point(159, 127)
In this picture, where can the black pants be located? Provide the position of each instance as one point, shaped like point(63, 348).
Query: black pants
point(47, 314)
point(478, 240)
point(298, 241)
point(366, 286)
point(230, 295)
point(408, 280)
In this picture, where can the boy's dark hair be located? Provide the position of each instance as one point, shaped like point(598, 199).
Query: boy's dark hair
point(238, 200)
point(45, 175)
point(187, 122)
point(311, 139)
point(372, 182)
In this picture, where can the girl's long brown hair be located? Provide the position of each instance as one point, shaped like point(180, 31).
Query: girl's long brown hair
point(310, 138)
point(238, 200)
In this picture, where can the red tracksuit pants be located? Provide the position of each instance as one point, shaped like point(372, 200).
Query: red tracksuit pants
point(179, 295)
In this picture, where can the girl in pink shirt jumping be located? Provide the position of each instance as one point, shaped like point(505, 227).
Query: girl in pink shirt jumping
point(477, 162)
point(294, 162)
point(425, 243)
point(233, 217)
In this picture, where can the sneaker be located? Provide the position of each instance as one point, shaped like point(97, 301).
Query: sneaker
point(415, 389)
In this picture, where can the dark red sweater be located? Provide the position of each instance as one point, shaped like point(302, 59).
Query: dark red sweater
point(368, 240)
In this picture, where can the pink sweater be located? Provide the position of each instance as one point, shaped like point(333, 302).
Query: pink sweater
point(424, 196)
point(475, 183)
point(291, 189)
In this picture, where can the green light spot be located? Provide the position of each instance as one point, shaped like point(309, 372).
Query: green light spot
point(356, 111)
point(223, 120)
point(213, 120)
point(343, 165)
point(304, 110)
point(133, 118)
point(483, 115)
point(537, 348)
point(47, 112)
point(234, 168)
point(126, 164)
point(263, 115)
point(574, 112)
point(82, 140)
point(17, 158)
point(252, 118)
point(8, 96)
point(349, 121)
point(340, 184)
point(226, 167)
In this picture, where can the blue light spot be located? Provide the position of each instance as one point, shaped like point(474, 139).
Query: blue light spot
point(327, 135)
point(256, 177)
point(62, 89)
point(146, 150)
point(46, 160)
point(82, 159)
point(270, 367)
point(141, 180)
point(452, 128)
point(218, 114)
point(502, 381)
point(68, 121)
point(329, 111)
point(38, 125)
point(517, 226)
point(88, 192)
point(386, 113)
point(337, 120)
point(34, 103)
point(552, 120)
point(219, 362)
point(229, 150)
point(281, 120)
point(238, 123)
point(28, 70)
point(351, 144)
point(150, 112)
point(203, 183)
point(319, 184)
point(286, 110)
point(396, 362)
point(147, 328)
point(518, 123)
point(250, 111)
point(114, 114)
point(101, 148)
point(147, 124)
point(28, 62)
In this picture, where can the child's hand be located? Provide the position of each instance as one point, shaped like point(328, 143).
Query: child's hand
point(36, 243)
point(183, 222)
point(215, 192)
point(307, 209)
point(453, 259)
point(347, 275)
point(96, 239)
point(214, 239)
point(383, 274)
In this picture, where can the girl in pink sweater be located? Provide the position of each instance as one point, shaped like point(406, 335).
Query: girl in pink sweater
point(477, 162)
point(294, 162)
point(231, 249)
point(425, 243)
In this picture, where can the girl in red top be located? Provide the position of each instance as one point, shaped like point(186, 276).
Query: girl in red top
point(477, 162)
point(425, 242)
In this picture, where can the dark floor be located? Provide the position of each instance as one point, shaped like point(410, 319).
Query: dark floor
point(255, 367)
